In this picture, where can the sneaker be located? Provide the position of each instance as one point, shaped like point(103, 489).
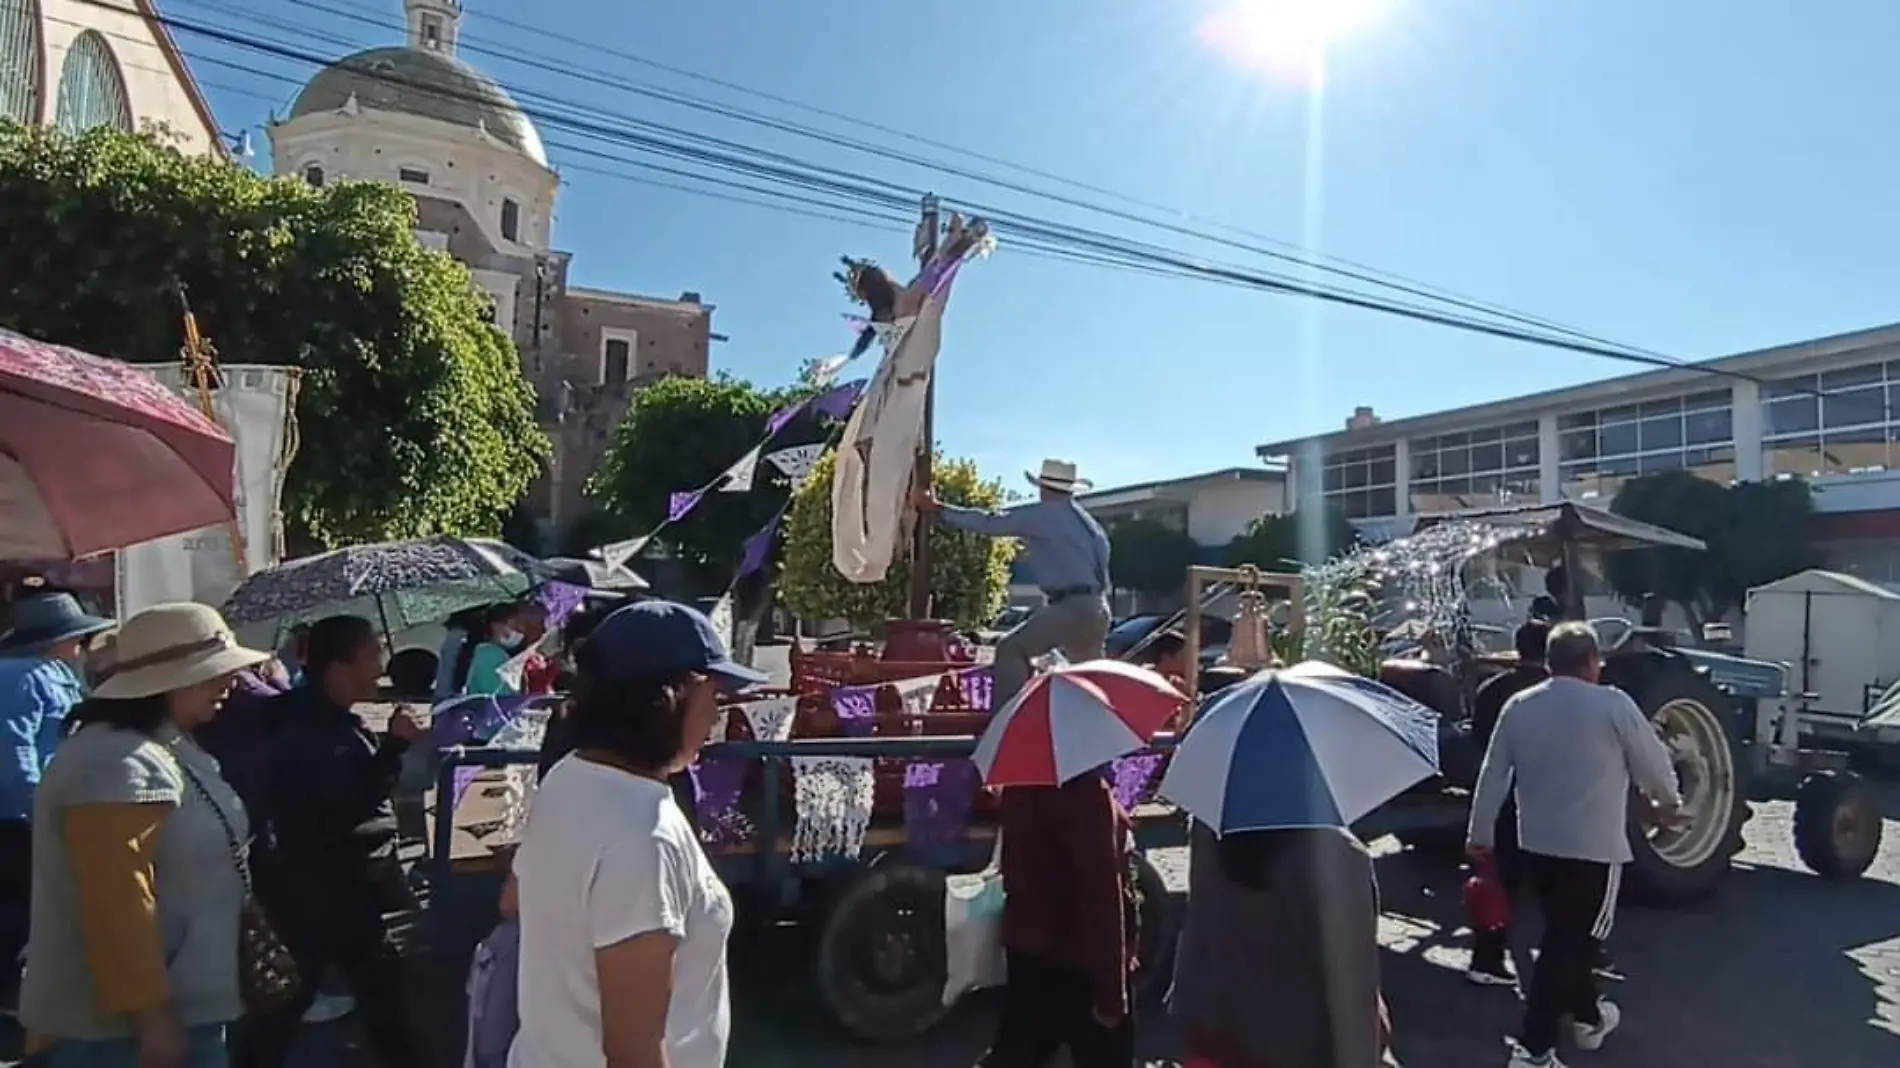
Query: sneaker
point(1521, 1058)
point(1606, 967)
point(1490, 976)
point(329, 1008)
point(1590, 1037)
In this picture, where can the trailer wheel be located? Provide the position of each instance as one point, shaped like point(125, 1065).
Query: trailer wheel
point(881, 963)
point(1836, 824)
point(1687, 864)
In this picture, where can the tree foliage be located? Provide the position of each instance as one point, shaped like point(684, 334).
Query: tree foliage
point(679, 434)
point(1288, 542)
point(969, 573)
point(1756, 533)
point(1149, 557)
point(413, 417)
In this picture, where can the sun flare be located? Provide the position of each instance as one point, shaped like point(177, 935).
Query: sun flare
point(1286, 38)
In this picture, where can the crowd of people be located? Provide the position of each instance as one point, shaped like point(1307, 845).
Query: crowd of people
point(199, 835)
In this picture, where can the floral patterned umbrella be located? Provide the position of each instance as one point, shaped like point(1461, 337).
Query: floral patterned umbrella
point(96, 455)
point(399, 584)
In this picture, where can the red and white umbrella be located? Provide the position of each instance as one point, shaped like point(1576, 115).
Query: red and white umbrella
point(1074, 719)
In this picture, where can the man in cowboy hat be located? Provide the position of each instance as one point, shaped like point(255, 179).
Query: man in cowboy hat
point(1066, 554)
point(40, 656)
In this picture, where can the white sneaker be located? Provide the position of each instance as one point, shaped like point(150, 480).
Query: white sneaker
point(329, 1008)
point(1591, 1038)
point(1487, 977)
point(1522, 1059)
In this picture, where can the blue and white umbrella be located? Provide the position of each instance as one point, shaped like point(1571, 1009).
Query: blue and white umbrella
point(1309, 746)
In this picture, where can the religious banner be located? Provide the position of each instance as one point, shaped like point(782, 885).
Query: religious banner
point(856, 707)
point(978, 685)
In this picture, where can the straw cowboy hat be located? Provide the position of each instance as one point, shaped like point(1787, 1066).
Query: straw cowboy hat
point(44, 619)
point(168, 647)
point(1058, 475)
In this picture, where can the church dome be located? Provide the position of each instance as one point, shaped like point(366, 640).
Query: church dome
point(427, 84)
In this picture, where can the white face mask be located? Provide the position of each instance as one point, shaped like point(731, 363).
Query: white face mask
point(509, 639)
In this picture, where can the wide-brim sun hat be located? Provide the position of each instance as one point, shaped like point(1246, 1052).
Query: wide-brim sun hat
point(170, 647)
point(43, 619)
point(663, 639)
point(1058, 475)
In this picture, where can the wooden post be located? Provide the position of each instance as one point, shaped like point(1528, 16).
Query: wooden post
point(925, 247)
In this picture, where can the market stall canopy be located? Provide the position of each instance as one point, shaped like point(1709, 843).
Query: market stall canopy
point(1542, 528)
point(96, 455)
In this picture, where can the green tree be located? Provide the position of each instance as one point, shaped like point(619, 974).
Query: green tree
point(1149, 557)
point(1288, 542)
point(1756, 532)
point(679, 434)
point(969, 573)
point(413, 416)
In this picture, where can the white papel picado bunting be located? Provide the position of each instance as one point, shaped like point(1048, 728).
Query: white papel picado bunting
point(797, 461)
point(738, 477)
point(833, 796)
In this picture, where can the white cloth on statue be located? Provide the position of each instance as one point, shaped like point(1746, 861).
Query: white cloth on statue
point(870, 493)
point(833, 798)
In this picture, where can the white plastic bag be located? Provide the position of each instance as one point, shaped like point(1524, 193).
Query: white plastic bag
point(973, 933)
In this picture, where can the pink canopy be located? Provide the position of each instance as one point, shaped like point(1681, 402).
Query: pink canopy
point(96, 455)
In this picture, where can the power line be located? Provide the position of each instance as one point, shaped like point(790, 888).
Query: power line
point(565, 67)
point(1073, 240)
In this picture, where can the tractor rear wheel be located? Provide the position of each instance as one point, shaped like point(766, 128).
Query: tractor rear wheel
point(1680, 865)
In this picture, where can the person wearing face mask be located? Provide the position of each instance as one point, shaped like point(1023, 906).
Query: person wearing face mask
point(501, 639)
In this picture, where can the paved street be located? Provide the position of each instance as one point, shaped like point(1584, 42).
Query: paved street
point(1781, 969)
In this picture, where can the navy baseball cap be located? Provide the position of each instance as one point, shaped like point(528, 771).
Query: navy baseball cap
point(657, 639)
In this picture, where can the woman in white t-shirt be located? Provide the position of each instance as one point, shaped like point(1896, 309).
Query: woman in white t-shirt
point(623, 920)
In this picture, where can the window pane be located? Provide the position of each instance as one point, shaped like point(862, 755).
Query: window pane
point(1851, 377)
point(1702, 428)
point(1520, 453)
point(1617, 440)
point(1424, 465)
point(1494, 434)
point(1702, 402)
point(1331, 479)
point(1382, 472)
point(1383, 501)
point(1627, 413)
point(1487, 457)
point(1793, 415)
point(1664, 433)
point(1577, 444)
point(1859, 407)
point(1521, 430)
point(1806, 385)
point(1520, 490)
point(1658, 462)
point(1455, 461)
point(1855, 452)
point(1796, 456)
point(1453, 441)
point(1577, 421)
point(1653, 409)
point(1355, 475)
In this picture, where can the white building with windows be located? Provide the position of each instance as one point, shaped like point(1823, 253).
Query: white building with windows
point(77, 65)
point(1827, 411)
point(420, 117)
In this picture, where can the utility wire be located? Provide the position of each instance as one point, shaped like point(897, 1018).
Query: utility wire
point(564, 66)
point(775, 166)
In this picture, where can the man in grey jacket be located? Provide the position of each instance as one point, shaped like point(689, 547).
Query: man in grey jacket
point(1573, 748)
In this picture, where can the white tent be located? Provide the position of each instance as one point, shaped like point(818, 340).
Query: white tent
point(1839, 636)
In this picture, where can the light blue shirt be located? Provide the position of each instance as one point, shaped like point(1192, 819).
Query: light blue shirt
point(36, 692)
point(1066, 550)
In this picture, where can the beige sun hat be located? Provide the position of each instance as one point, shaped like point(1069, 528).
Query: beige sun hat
point(1058, 475)
point(168, 647)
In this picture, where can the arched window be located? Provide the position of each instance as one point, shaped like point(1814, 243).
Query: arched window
point(19, 60)
point(313, 174)
point(91, 89)
point(510, 221)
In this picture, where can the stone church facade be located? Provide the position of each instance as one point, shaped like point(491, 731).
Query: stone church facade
point(419, 117)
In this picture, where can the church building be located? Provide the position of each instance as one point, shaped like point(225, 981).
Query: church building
point(420, 117)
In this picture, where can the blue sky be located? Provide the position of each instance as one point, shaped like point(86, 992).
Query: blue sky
point(1695, 177)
